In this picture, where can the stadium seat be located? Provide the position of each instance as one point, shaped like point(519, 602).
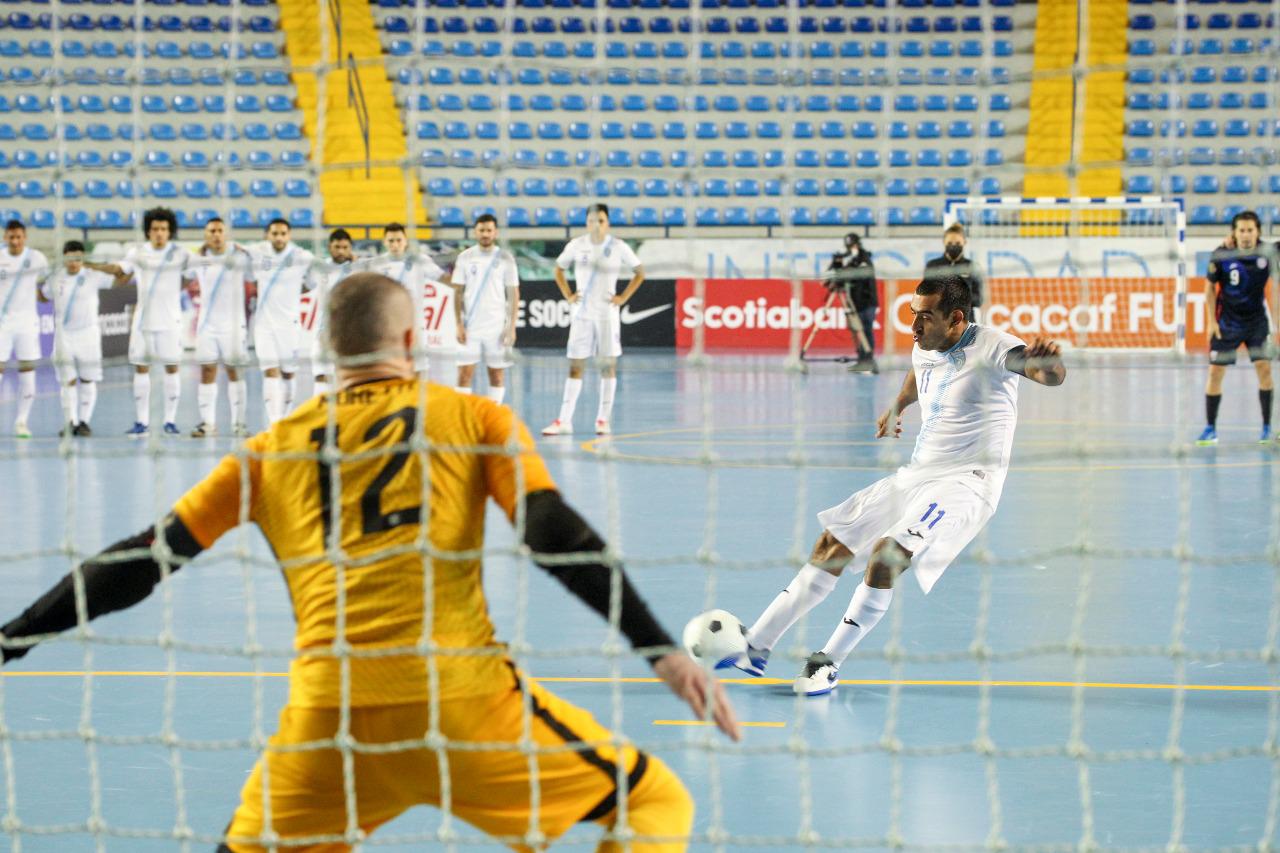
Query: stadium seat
point(1238, 184)
point(1205, 184)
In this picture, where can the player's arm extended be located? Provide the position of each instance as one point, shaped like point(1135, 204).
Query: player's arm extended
point(892, 417)
point(119, 273)
point(1040, 362)
point(118, 577)
point(566, 547)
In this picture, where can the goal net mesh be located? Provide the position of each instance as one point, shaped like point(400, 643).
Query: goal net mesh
point(137, 738)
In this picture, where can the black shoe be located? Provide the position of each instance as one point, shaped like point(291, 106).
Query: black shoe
point(82, 430)
point(864, 365)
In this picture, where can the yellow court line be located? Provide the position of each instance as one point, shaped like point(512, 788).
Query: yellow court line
point(706, 723)
point(761, 682)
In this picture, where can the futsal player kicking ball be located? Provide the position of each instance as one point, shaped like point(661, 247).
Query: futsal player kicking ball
point(596, 329)
point(965, 377)
point(401, 441)
point(1236, 302)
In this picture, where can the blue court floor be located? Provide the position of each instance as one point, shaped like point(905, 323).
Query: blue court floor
point(1099, 668)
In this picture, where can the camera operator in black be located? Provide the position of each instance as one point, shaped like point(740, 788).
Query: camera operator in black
point(953, 262)
point(854, 276)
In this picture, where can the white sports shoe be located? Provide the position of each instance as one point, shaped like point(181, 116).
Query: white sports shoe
point(557, 428)
point(818, 677)
point(603, 428)
point(20, 430)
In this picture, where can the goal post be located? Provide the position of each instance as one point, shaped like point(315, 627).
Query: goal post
point(1095, 273)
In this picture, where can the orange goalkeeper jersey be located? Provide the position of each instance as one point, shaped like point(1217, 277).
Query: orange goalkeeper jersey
point(404, 518)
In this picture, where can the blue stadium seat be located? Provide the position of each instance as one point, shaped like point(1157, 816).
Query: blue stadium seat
point(1140, 185)
point(1233, 155)
point(867, 159)
point(897, 186)
point(1205, 184)
point(838, 158)
point(746, 158)
point(865, 187)
point(566, 187)
point(928, 186)
point(807, 158)
point(1239, 184)
point(1204, 128)
point(1203, 214)
point(836, 187)
point(1237, 127)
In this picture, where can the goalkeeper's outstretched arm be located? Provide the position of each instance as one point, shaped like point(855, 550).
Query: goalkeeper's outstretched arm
point(556, 535)
point(118, 577)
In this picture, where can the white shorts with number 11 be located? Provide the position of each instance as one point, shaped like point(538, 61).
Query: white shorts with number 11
point(934, 520)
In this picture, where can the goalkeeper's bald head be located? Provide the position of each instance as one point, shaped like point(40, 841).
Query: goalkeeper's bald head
point(371, 322)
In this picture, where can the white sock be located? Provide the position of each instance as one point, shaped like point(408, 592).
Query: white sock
point(88, 399)
point(142, 398)
point(322, 387)
point(70, 403)
point(868, 606)
point(497, 393)
point(26, 394)
point(235, 396)
point(608, 387)
point(809, 587)
point(207, 401)
point(271, 397)
point(572, 388)
point(290, 387)
point(463, 389)
point(172, 393)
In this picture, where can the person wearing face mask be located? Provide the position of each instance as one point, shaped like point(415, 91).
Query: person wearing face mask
point(853, 274)
point(954, 262)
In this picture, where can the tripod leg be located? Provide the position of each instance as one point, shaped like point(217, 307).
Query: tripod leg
point(813, 333)
point(860, 337)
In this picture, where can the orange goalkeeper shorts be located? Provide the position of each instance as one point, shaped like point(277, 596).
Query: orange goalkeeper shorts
point(490, 777)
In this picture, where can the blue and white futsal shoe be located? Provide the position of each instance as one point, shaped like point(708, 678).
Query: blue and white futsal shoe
point(138, 430)
point(1265, 438)
point(752, 663)
point(818, 677)
point(1208, 438)
point(170, 428)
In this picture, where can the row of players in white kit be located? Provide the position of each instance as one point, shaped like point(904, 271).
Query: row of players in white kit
point(467, 316)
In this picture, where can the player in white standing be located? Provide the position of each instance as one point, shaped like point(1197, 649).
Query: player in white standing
point(281, 270)
point(324, 277)
point(486, 312)
point(432, 301)
point(221, 270)
point(965, 377)
point(597, 259)
point(157, 267)
point(21, 271)
point(77, 335)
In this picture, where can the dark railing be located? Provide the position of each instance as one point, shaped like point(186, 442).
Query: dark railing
point(355, 90)
point(335, 15)
point(355, 98)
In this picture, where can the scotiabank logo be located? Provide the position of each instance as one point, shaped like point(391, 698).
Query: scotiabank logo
point(1115, 313)
point(758, 314)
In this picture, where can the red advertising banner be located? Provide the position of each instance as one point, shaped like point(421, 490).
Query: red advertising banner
point(759, 314)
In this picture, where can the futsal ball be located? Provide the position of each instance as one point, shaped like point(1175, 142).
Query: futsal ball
point(715, 636)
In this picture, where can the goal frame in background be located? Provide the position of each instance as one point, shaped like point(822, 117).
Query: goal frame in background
point(1081, 218)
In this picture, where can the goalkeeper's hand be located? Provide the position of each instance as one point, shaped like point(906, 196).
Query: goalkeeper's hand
point(692, 684)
